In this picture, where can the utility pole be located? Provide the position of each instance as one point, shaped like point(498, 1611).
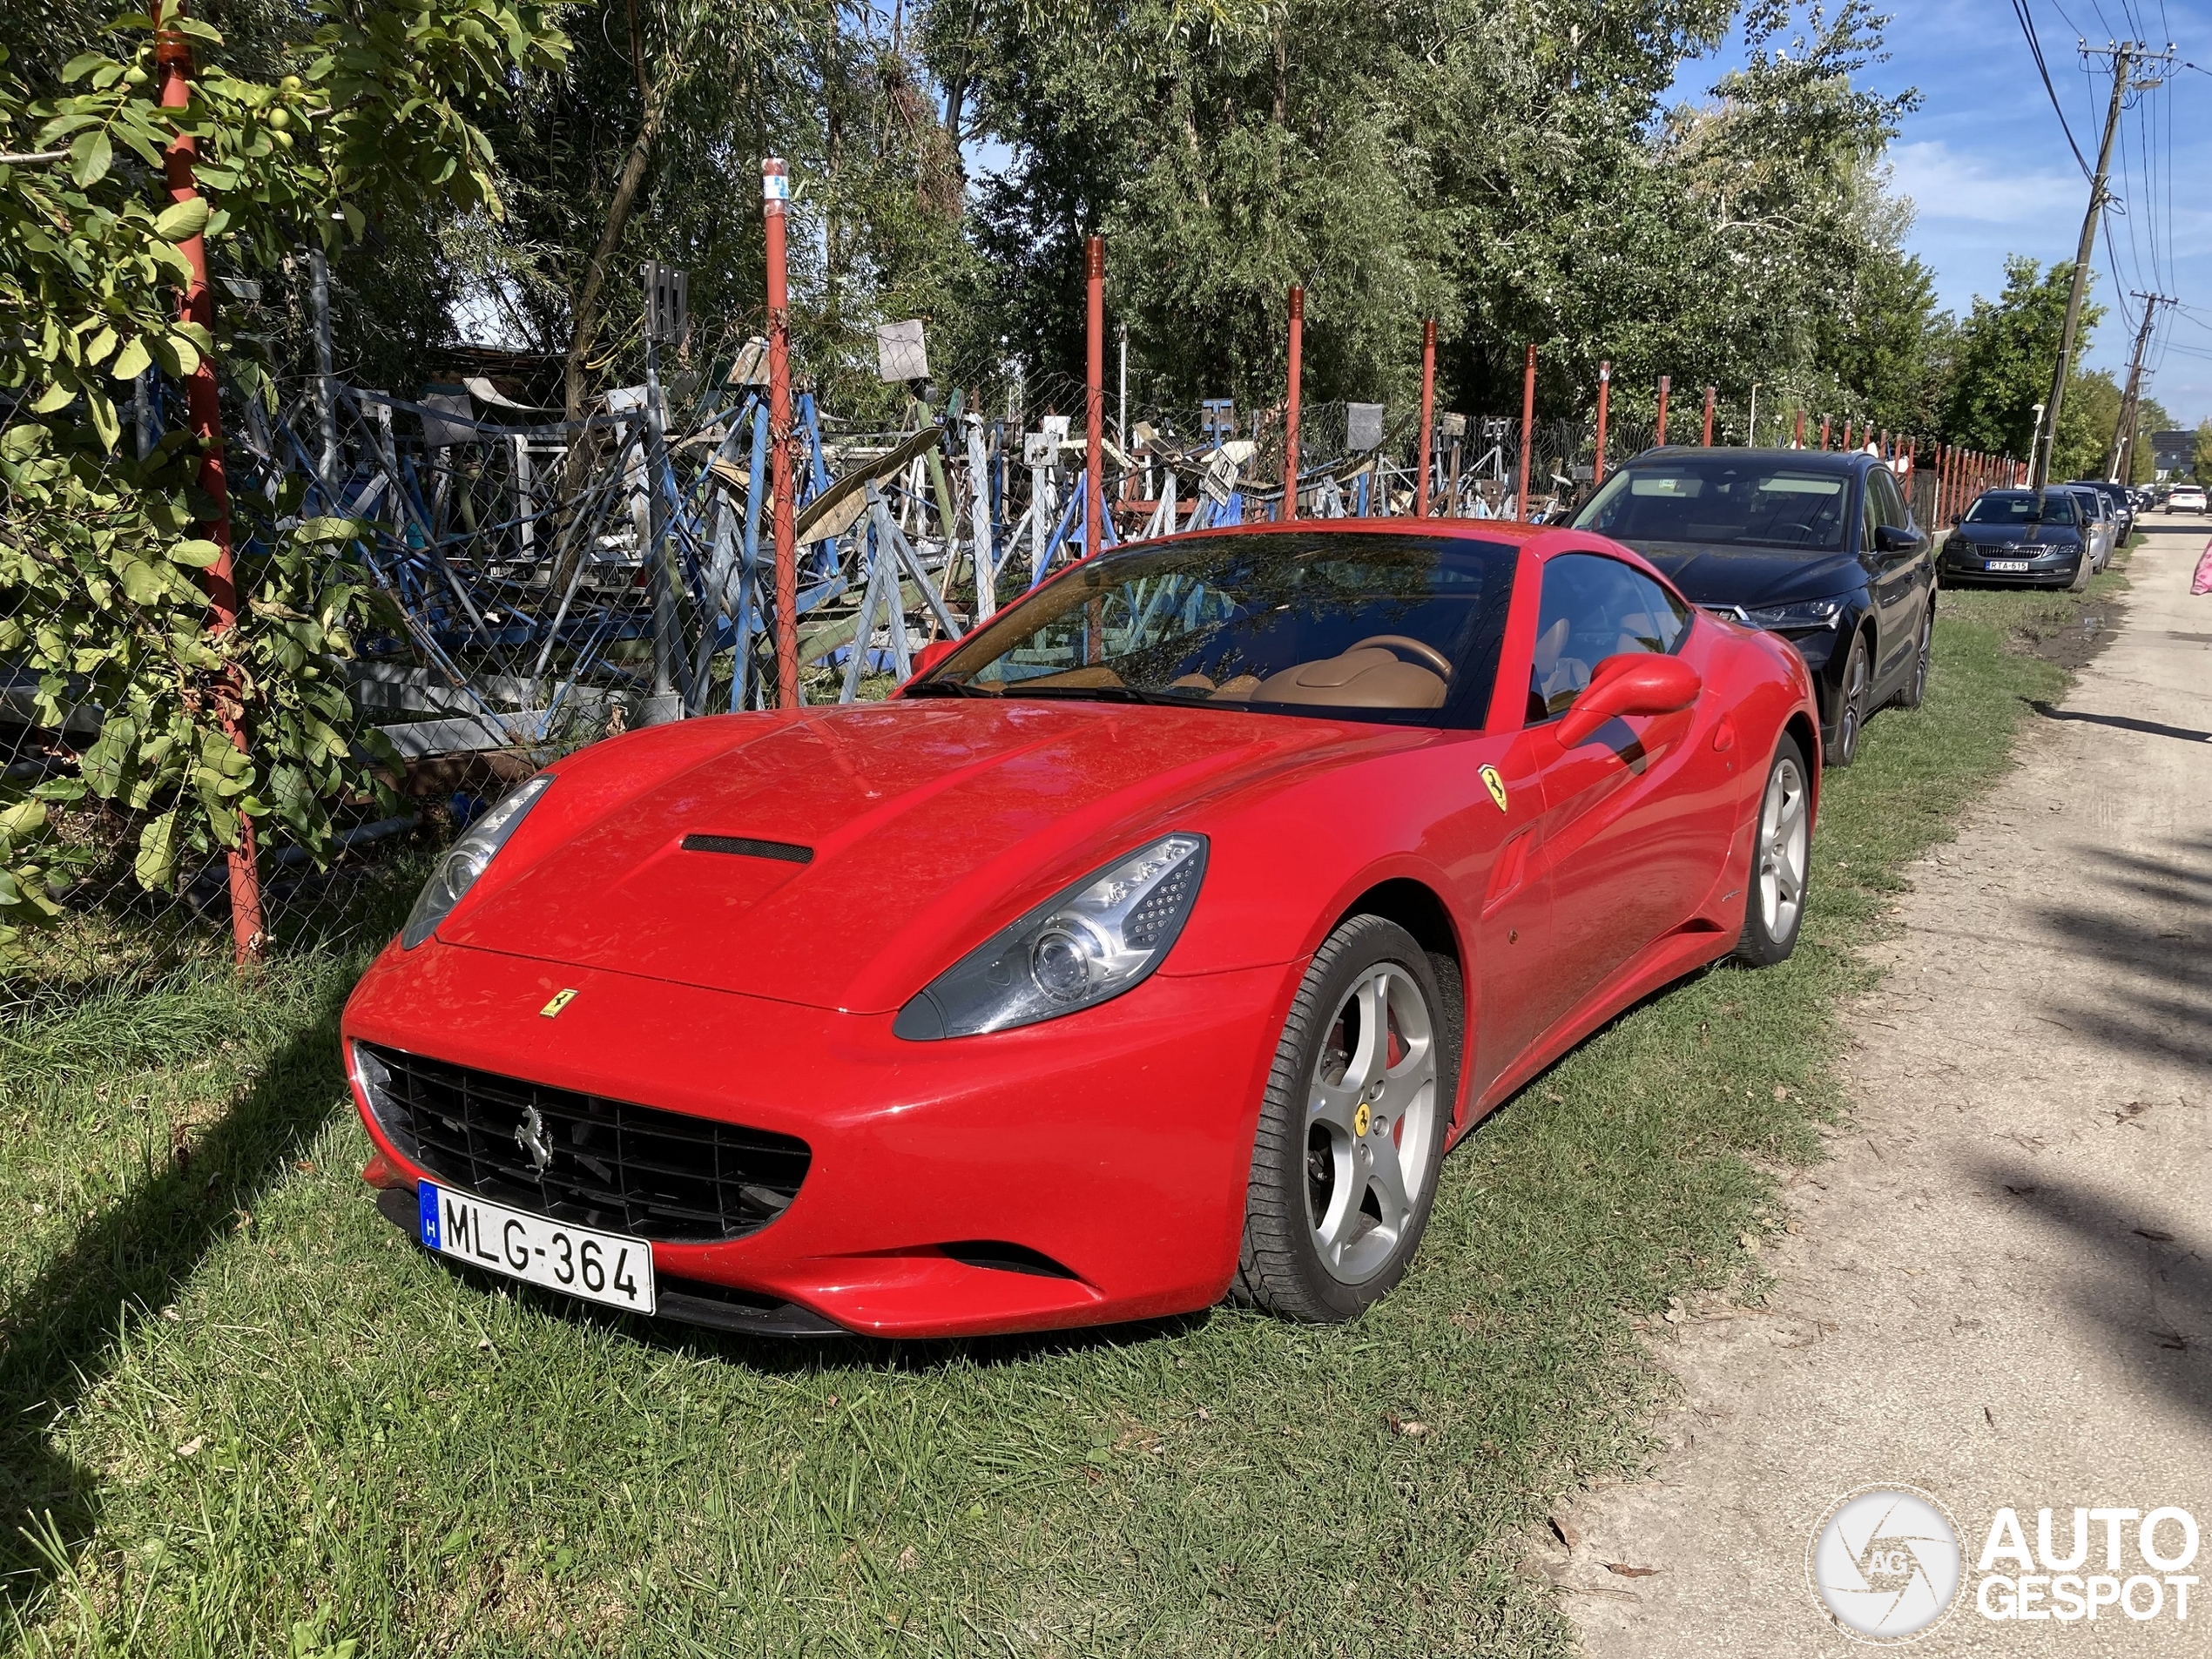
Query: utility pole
point(2125, 54)
point(2123, 432)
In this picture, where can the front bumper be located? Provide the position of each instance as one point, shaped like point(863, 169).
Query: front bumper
point(2055, 569)
point(1115, 1145)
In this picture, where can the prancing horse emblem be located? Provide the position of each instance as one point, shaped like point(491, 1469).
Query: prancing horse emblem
point(530, 1136)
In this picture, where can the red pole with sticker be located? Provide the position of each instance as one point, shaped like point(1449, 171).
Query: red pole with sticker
point(1604, 390)
point(1094, 394)
point(1290, 413)
point(203, 406)
point(1428, 415)
point(775, 192)
point(1666, 384)
point(1528, 430)
point(1710, 393)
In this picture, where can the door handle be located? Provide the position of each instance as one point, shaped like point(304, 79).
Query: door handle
point(1724, 736)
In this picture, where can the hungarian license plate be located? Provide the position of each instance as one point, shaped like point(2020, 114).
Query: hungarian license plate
point(612, 1268)
point(2005, 564)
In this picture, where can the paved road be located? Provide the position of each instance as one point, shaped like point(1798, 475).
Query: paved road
point(2002, 1288)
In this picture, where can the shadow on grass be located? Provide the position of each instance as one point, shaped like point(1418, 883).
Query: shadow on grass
point(62, 1335)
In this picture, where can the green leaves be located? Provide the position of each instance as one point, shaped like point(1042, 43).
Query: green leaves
point(89, 157)
point(182, 220)
point(156, 863)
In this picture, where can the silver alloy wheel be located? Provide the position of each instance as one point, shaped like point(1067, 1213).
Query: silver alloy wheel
point(1854, 703)
point(1784, 839)
point(1371, 1117)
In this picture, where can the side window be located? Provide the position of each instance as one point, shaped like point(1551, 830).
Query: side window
point(1593, 608)
point(1889, 505)
point(1869, 512)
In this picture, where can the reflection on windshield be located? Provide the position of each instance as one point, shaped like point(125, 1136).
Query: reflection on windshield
point(1379, 626)
point(1726, 503)
point(2022, 507)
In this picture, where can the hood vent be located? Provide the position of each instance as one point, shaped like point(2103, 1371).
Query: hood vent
point(747, 846)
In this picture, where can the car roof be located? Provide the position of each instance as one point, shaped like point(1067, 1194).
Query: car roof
point(1818, 460)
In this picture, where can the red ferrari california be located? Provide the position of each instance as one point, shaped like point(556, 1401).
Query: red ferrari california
point(1151, 945)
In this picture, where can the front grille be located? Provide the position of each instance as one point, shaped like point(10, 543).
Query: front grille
point(660, 1175)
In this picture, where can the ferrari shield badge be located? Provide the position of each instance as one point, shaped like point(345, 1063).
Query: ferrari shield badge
point(1496, 785)
point(552, 1010)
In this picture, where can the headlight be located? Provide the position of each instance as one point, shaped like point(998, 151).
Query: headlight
point(466, 859)
point(1085, 945)
point(1806, 613)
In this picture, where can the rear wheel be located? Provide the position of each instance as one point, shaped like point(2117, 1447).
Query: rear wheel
point(1352, 1130)
point(1850, 706)
point(1773, 904)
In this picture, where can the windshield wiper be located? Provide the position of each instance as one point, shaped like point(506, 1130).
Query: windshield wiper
point(1085, 693)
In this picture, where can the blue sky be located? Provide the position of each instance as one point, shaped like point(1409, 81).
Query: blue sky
point(1989, 171)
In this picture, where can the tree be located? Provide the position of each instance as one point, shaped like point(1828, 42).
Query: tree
point(2002, 361)
point(98, 547)
point(2200, 466)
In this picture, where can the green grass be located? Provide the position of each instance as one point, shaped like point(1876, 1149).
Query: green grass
point(261, 1422)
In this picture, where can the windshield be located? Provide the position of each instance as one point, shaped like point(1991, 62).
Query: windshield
point(1355, 625)
point(1727, 501)
point(2021, 507)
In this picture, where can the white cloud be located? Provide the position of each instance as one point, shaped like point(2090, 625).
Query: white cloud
point(1945, 183)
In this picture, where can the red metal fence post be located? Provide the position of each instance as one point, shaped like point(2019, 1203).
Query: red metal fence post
point(173, 59)
point(775, 191)
point(1428, 415)
point(1710, 393)
point(1094, 394)
point(1666, 383)
point(1290, 415)
point(1528, 430)
point(1823, 433)
point(1604, 390)
point(1799, 443)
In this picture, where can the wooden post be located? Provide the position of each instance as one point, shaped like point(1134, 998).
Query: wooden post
point(1528, 430)
point(1094, 395)
point(1290, 415)
point(1604, 391)
point(172, 61)
point(1428, 415)
point(775, 191)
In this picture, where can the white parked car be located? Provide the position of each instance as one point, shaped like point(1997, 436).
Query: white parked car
point(2186, 498)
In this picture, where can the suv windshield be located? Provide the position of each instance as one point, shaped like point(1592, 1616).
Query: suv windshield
point(2021, 507)
point(1362, 626)
point(1723, 500)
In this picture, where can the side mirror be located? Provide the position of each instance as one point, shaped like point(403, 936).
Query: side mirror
point(933, 653)
point(1895, 538)
point(1633, 683)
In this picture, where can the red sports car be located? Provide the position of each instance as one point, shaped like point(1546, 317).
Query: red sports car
point(1150, 945)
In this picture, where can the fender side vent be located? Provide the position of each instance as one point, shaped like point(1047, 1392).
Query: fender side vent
point(1003, 1258)
point(747, 846)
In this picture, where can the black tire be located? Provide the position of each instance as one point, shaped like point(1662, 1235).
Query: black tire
point(1914, 691)
point(1280, 1266)
point(1770, 932)
point(1850, 706)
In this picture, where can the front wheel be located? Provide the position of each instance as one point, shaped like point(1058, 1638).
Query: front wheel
point(1773, 904)
point(1352, 1130)
point(1850, 706)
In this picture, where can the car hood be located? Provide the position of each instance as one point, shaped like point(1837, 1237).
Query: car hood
point(926, 825)
point(1751, 576)
point(2010, 535)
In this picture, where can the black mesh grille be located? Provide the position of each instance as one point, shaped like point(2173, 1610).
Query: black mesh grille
point(658, 1175)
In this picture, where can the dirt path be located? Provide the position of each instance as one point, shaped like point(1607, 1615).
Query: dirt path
point(2002, 1288)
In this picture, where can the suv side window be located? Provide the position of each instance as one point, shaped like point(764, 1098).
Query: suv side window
point(1889, 505)
point(1593, 608)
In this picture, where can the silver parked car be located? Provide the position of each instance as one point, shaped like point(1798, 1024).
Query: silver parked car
point(2102, 529)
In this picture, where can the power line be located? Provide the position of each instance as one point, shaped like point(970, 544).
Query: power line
point(2036, 50)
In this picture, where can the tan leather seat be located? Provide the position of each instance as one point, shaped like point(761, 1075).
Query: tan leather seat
point(1369, 678)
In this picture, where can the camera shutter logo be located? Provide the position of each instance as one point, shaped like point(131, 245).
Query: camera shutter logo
point(1885, 1563)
